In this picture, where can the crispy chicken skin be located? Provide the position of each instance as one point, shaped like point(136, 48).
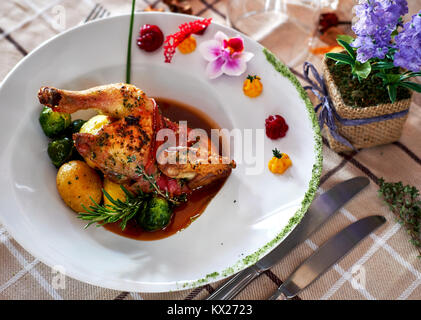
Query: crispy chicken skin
point(128, 143)
point(189, 163)
point(117, 100)
point(119, 147)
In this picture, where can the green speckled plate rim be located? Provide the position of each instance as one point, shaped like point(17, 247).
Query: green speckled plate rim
point(308, 197)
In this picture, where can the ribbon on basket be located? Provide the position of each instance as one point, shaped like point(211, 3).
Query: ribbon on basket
point(327, 112)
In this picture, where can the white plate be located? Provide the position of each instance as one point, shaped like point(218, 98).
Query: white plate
point(229, 235)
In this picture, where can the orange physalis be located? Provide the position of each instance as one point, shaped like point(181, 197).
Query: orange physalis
point(188, 45)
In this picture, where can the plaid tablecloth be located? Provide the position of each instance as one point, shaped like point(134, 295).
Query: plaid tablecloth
point(386, 260)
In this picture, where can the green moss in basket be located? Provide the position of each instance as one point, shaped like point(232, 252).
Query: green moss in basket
point(360, 93)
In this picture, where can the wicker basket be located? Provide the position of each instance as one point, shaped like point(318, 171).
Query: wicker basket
point(367, 135)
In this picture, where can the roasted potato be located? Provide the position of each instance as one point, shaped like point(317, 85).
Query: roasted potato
point(114, 190)
point(76, 183)
point(92, 126)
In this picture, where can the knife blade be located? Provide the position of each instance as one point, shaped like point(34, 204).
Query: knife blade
point(322, 208)
point(326, 256)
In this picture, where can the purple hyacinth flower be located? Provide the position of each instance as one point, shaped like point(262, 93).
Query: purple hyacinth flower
point(408, 45)
point(377, 19)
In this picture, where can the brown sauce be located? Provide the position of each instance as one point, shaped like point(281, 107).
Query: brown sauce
point(197, 202)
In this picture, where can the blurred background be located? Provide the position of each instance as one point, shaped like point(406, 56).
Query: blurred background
point(296, 30)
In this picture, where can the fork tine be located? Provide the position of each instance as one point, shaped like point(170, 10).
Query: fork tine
point(91, 13)
point(97, 12)
point(103, 13)
point(95, 16)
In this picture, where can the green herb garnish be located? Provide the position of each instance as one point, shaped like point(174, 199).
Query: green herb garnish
point(277, 153)
point(131, 159)
point(404, 202)
point(251, 78)
point(118, 211)
point(129, 46)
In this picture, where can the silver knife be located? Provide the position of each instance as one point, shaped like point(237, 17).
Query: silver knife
point(320, 210)
point(326, 256)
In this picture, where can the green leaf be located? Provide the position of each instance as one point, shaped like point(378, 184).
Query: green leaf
point(382, 65)
point(393, 78)
point(348, 48)
point(344, 37)
point(382, 76)
point(409, 74)
point(410, 85)
point(344, 58)
point(394, 33)
point(389, 78)
point(391, 89)
point(362, 70)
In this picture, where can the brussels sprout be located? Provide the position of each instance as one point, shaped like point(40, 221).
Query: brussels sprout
point(60, 151)
point(156, 215)
point(73, 128)
point(76, 125)
point(53, 123)
point(75, 155)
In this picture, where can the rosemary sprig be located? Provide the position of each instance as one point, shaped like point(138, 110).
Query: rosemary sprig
point(118, 210)
point(140, 170)
point(404, 202)
point(129, 45)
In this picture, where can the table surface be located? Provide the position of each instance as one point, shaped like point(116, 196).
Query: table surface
point(385, 260)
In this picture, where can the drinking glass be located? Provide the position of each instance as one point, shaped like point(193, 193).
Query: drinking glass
point(286, 27)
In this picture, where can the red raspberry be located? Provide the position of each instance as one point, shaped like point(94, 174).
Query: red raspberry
point(276, 127)
point(150, 38)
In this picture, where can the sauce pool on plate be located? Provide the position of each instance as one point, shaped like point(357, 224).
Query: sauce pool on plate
point(198, 200)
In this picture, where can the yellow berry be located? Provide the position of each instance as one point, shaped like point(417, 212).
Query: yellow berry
point(252, 86)
point(188, 45)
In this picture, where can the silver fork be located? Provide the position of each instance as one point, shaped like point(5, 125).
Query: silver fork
point(97, 12)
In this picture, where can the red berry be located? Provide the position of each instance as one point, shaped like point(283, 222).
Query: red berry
point(276, 127)
point(150, 38)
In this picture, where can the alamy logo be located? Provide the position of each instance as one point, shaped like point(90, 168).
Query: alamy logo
point(59, 277)
point(358, 277)
point(59, 17)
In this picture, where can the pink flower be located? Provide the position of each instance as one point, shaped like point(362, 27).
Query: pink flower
point(225, 55)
